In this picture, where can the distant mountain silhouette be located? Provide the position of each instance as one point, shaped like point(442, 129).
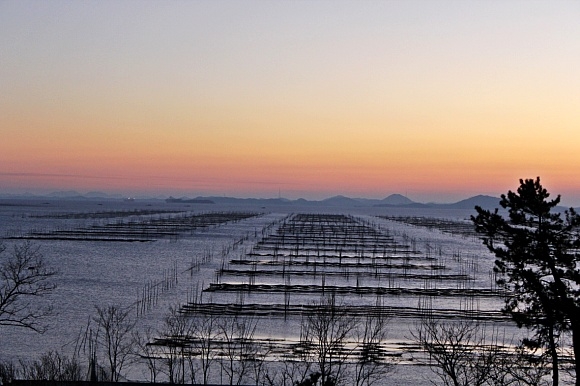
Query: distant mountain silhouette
point(246, 201)
point(486, 202)
point(185, 200)
point(393, 200)
point(66, 194)
point(397, 199)
point(340, 201)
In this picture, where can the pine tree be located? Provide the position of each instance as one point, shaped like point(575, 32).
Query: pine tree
point(538, 262)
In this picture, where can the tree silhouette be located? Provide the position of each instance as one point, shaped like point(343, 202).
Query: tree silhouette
point(24, 278)
point(459, 353)
point(325, 335)
point(537, 256)
point(115, 328)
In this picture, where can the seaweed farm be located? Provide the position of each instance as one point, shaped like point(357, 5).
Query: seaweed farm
point(310, 254)
point(268, 269)
point(455, 227)
point(145, 227)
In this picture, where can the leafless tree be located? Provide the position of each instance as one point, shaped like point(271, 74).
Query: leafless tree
point(8, 372)
point(204, 335)
point(147, 353)
point(52, 366)
point(370, 366)
point(289, 372)
point(176, 332)
point(192, 341)
point(24, 278)
point(325, 334)
point(292, 369)
point(115, 337)
point(522, 366)
point(238, 347)
point(458, 351)
point(463, 353)
point(259, 364)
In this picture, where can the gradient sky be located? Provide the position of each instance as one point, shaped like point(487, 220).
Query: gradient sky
point(439, 100)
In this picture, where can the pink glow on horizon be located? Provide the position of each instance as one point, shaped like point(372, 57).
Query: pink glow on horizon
point(440, 99)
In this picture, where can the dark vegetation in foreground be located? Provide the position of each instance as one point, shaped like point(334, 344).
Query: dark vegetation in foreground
point(335, 348)
point(537, 256)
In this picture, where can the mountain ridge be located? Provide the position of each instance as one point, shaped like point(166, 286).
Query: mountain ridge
point(393, 200)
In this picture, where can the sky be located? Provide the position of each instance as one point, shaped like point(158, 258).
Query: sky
point(436, 100)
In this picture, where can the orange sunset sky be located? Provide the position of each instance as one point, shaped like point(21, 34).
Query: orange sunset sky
point(438, 100)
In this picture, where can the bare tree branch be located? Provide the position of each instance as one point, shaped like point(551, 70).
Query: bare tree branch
point(116, 340)
point(24, 277)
